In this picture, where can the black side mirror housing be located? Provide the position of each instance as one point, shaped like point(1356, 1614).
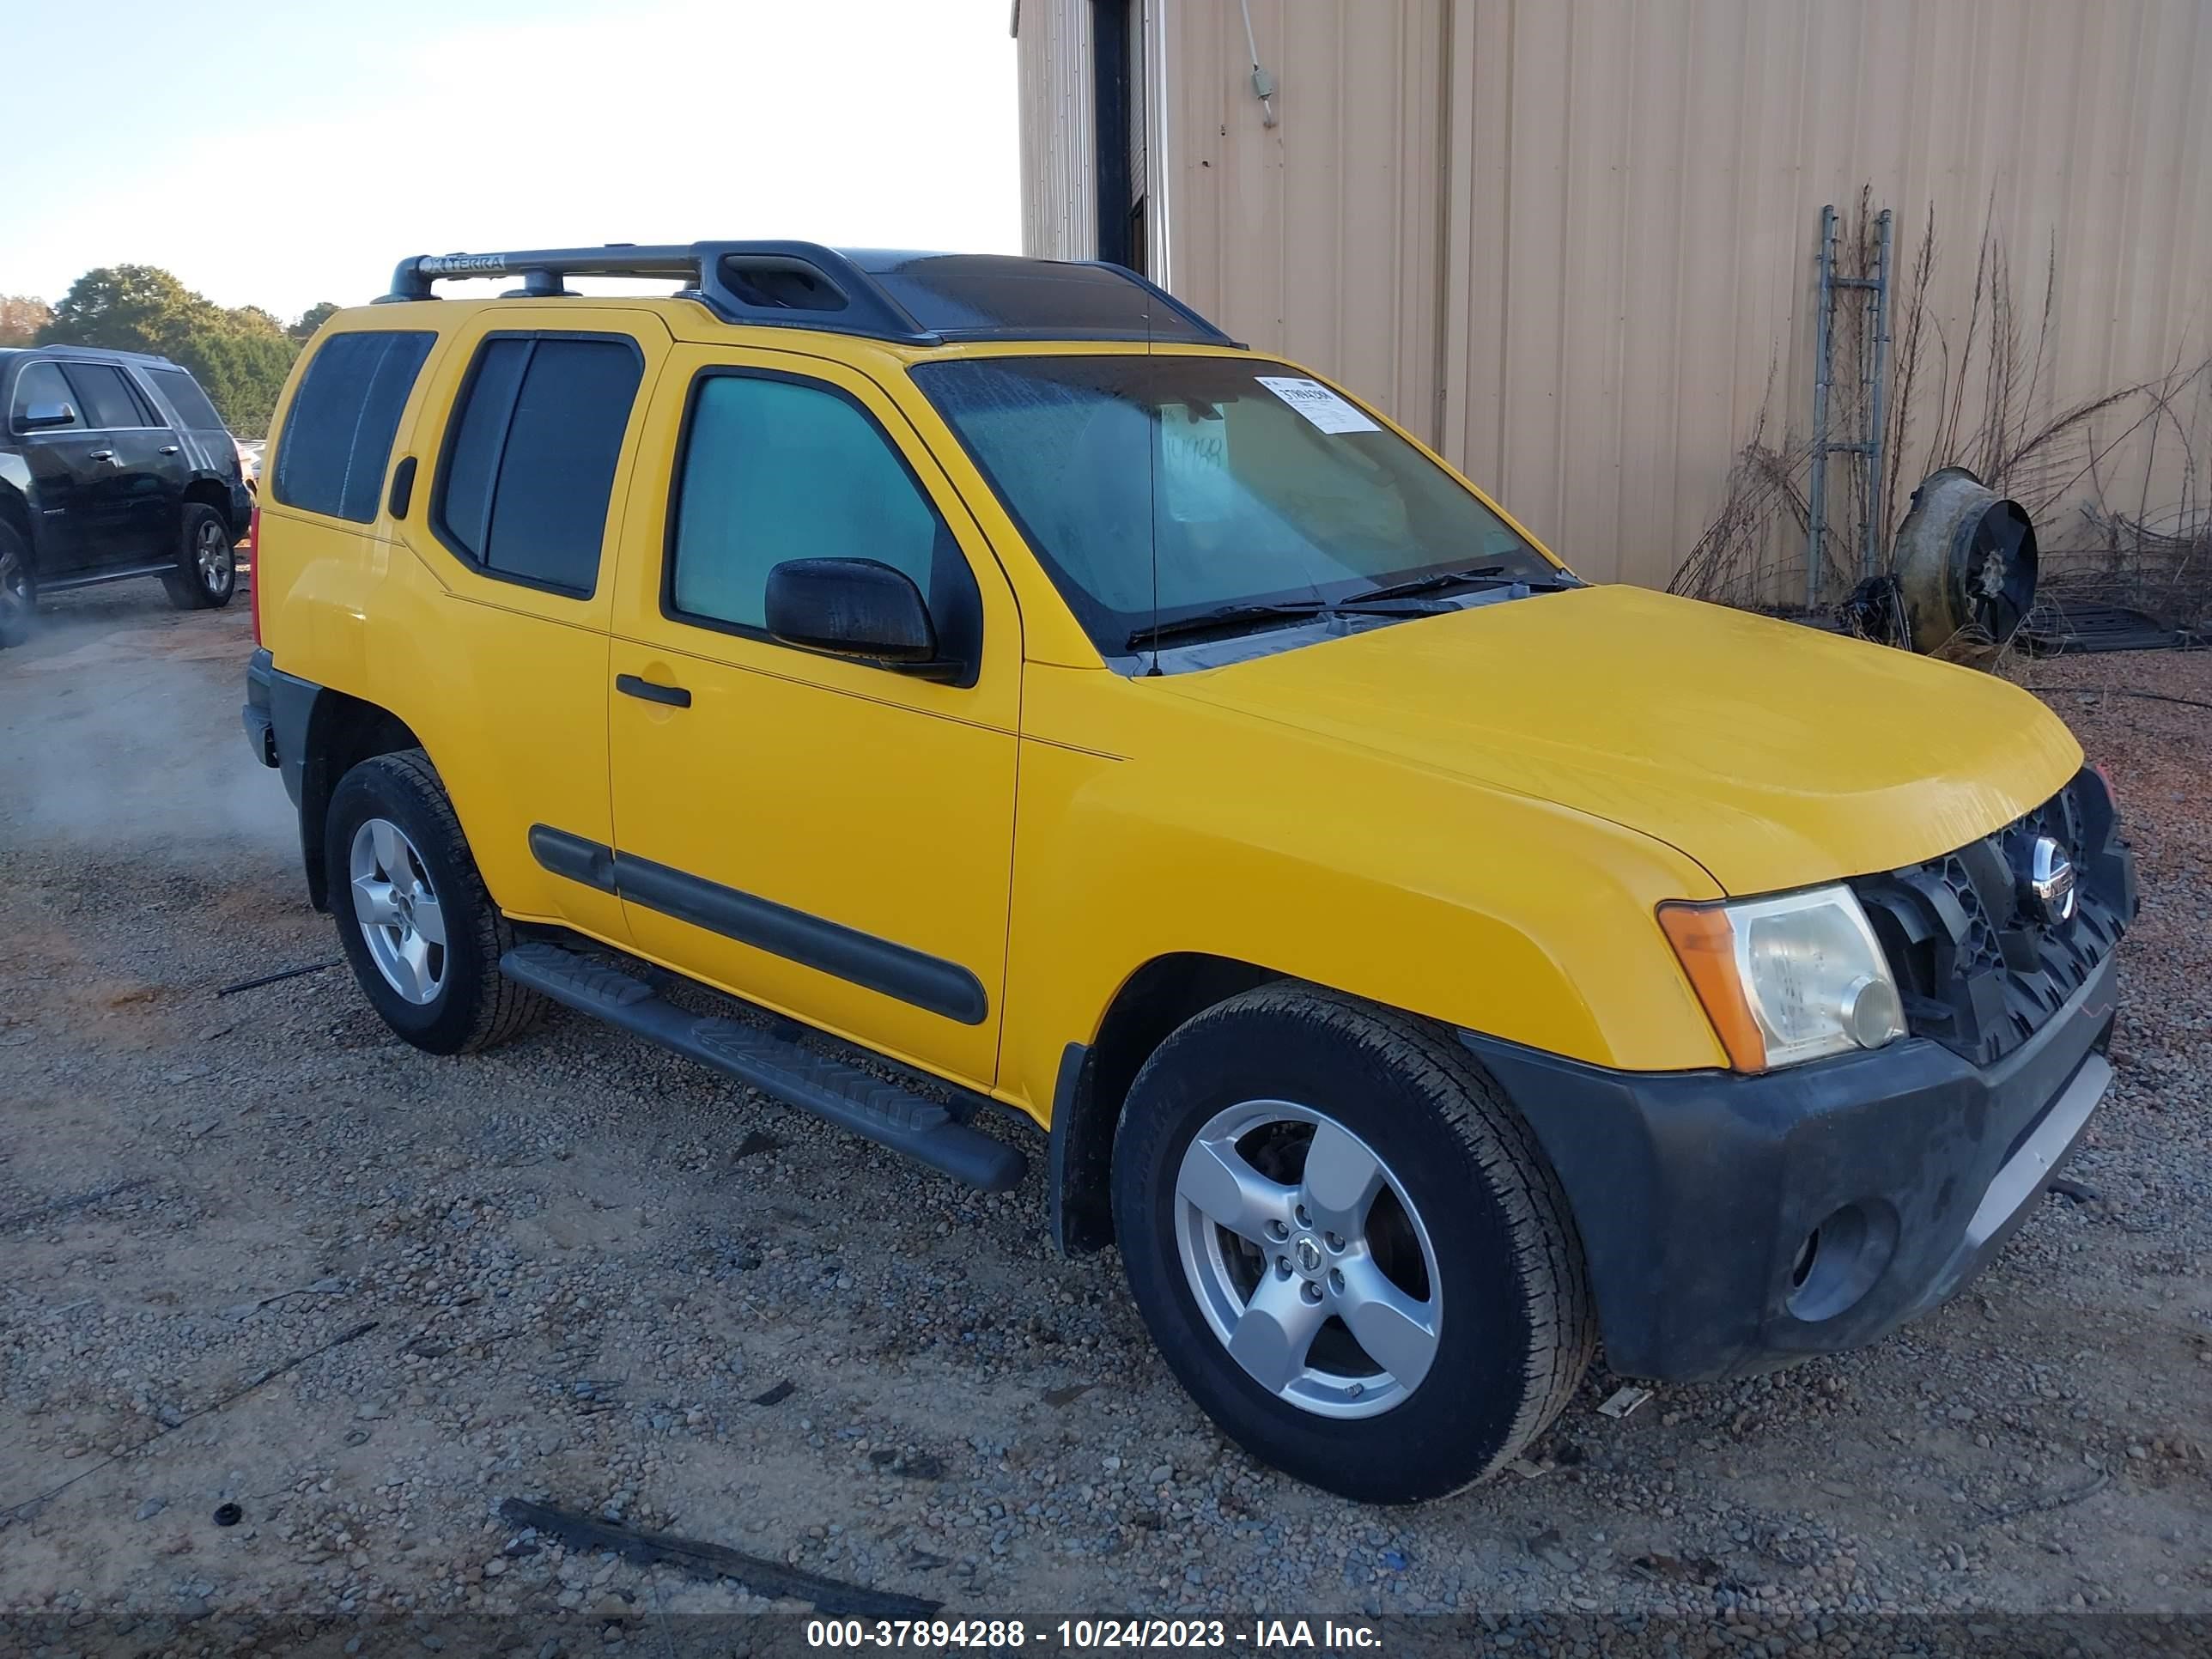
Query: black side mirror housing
point(40, 416)
point(857, 608)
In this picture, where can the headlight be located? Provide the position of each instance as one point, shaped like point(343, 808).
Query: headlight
point(1787, 979)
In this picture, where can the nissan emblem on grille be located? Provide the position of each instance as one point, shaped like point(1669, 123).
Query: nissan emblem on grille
point(2050, 882)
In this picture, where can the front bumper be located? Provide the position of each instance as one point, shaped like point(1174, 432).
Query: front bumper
point(1696, 1194)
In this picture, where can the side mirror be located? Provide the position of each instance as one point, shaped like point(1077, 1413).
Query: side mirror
point(859, 608)
point(39, 416)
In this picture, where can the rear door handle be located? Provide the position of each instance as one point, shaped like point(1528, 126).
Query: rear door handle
point(631, 686)
point(170, 449)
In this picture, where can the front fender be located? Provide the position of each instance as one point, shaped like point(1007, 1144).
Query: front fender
point(1198, 830)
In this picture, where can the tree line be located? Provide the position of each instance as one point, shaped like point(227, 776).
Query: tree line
point(239, 355)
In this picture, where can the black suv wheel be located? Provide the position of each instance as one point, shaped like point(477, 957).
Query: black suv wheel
point(207, 569)
point(422, 935)
point(18, 594)
point(1347, 1245)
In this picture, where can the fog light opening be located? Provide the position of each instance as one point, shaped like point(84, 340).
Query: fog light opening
point(1840, 1260)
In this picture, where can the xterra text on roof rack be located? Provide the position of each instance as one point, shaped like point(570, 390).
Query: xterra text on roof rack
point(1421, 961)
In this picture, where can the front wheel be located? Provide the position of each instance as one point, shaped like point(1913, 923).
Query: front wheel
point(1347, 1245)
point(207, 569)
point(19, 596)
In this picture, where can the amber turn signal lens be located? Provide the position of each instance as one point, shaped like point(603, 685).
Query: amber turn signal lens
point(1705, 944)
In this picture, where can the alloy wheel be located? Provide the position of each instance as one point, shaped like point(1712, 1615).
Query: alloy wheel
point(400, 918)
point(212, 555)
point(1307, 1260)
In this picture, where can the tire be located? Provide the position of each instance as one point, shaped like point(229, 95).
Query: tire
point(207, 562)
point(1466, 1223)
point(395, 851)
point(19, 589)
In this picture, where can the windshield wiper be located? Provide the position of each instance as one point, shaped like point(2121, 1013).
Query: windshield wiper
point(1227, 616)
point(1492, 575)
point(1231, 615)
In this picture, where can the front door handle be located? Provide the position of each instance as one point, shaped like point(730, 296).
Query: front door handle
point(102, 455)
point(631, 686)
point(170, 449)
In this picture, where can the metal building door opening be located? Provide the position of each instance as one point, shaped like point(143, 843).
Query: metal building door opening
point(1117, 33)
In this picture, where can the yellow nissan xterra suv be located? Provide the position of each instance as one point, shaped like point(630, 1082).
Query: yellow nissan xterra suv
point(1422, 962)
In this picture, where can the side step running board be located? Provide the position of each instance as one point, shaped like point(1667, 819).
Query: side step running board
point(925, 1130)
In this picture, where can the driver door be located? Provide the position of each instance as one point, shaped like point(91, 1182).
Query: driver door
point(829, 837)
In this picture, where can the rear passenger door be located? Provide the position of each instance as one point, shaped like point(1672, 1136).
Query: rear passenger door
point(134, 482)
point(516, 495)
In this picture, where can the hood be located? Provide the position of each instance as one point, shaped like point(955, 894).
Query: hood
point(1774, 755)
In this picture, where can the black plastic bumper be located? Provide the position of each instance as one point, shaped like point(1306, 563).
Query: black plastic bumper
point(1696, 1194)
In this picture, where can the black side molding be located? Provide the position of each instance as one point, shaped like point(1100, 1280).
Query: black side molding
point(829, 947)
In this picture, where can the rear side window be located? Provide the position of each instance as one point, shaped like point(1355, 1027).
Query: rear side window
point(42, 383)
point(184, 396)
point(530, 463)
point(105, 397)
point(336, 440)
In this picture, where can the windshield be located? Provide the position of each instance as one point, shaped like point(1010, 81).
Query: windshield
point(1254, 485)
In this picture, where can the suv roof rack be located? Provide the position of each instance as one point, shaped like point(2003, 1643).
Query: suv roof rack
point(914, 299)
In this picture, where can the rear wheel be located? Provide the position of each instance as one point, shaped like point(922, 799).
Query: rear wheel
point(18, 595)
point(207, 569)
point(422, 933)
point(1347, 1245)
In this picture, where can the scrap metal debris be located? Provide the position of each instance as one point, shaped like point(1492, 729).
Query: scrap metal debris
point(271, 979)
point(59, 1206)
point(30, 1505)
point(1623, 1400)
point(711, 1562)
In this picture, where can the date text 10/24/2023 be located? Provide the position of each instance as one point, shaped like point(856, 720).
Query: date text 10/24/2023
point(1094, 1635)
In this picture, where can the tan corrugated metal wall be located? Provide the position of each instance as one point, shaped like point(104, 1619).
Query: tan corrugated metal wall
point(1568, 240)
point(1060, 211)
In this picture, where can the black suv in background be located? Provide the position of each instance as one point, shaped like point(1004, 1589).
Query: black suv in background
point(112, 465)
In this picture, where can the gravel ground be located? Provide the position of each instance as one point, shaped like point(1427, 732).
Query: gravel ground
point(579, 1270)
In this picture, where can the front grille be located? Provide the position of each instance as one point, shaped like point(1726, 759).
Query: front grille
point(1979, 969)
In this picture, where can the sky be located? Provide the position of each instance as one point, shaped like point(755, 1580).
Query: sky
point(279, 156)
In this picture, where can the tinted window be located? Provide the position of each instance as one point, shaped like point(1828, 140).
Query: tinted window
point(184, 396)
point(531, 459)
point(104, 397)
point(42, 383)
point(774, 470)
point(337, 441)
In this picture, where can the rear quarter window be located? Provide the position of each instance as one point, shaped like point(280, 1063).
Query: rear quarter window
point(336, 440)
point(194, 411)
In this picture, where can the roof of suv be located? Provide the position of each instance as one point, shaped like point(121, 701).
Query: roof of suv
point(95, 354)
point(910, 298)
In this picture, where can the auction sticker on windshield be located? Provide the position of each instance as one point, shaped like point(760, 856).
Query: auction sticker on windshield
point(1317, 404)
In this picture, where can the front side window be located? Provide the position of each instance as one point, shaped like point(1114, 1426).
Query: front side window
point(336, 440)
point(104, 397)
point(776, 469)
point(42, 384)
point(1157, 489)
point(530, 465)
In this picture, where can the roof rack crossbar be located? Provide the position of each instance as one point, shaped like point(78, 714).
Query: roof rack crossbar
point(798, 284)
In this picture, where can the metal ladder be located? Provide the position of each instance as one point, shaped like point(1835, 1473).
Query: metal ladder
point(1873, 376)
